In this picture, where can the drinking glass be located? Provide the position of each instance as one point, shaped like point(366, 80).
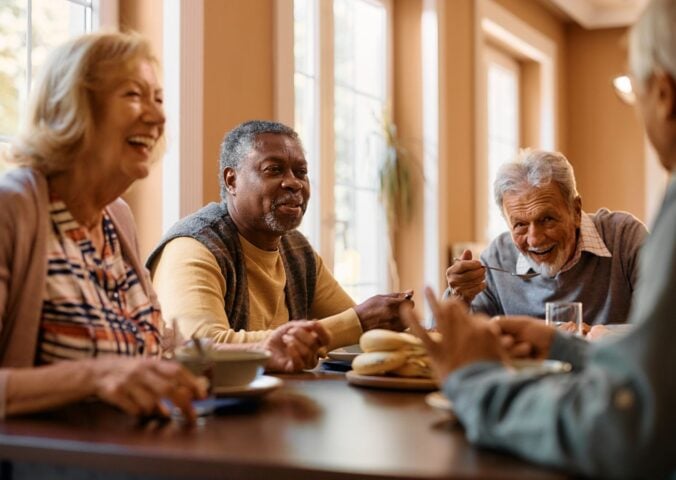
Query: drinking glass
point(560, 313)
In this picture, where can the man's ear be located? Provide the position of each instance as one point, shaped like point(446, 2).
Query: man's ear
point(577, 208)
point(665, 88)
point(230, 180)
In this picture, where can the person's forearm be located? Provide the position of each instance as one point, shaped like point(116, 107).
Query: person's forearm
point(35, 389)
point(571, 421)
point(343, 327)
point(569, 348)
point(222, 334)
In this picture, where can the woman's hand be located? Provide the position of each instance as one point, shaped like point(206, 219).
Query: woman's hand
point(295, 346)
point(137, 385)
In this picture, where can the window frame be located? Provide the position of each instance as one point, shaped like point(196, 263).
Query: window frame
point(322, 169)
point(104, 14)
point(496, 56)
point(498, 25)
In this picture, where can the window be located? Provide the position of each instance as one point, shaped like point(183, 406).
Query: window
point(28, 31)
point(503, 126)
point(516, 102)
point(306, 108)
point(347, 211)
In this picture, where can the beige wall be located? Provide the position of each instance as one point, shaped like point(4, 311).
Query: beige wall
point(529, 103)
point(145, 196)
point(408, 117)
point(605, 140)
point(238, 86)
point(238, 73)
point(456, 136)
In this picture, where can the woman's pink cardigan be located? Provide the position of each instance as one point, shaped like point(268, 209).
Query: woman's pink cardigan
point(24, 223)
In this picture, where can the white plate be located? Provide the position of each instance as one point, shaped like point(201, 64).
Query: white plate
point(539, 366)
point(439, 401)
point(345, 354)
point(619, 327)
point(262, 385)
point(391, 383)
point(614, 330)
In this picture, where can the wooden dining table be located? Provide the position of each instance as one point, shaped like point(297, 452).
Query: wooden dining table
point(316, 426)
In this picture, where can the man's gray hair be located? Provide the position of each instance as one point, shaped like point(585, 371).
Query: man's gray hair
point(652, 40)
point(535, 168)
point(239, 142)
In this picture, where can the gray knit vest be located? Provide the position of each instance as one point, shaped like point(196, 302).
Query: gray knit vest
point(214, 228)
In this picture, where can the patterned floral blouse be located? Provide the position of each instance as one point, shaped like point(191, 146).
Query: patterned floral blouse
point(94, 304)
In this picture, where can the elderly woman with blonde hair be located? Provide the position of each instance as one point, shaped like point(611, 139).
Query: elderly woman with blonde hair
point(78, 316)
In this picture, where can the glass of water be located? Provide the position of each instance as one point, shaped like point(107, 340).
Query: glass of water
point(560, 314)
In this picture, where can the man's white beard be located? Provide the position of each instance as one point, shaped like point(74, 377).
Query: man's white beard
point(277, 226)
point(548, 270)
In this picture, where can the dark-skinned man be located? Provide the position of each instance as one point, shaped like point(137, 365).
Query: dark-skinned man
point(235, 270)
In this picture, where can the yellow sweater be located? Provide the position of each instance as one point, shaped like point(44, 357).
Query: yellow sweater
point(191, 289)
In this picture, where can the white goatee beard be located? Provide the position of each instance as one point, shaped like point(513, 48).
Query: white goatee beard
point(549, 270)
point(280, 227)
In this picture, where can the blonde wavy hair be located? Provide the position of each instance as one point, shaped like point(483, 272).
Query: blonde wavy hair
point(60, 117)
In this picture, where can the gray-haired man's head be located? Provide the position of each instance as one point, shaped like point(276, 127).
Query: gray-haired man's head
point(535, 168)
point(652, 62)
point(264, 179)
point(238, 143)
point(537, 195)
point(652, 41)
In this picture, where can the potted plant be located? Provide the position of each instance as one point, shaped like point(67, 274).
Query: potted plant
point(396, 192)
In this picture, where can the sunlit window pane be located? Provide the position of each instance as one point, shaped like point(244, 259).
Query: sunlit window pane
point(359, 84)
point(360, 146)
point(13, 56)
point(305, 36)
point(360, 242)
point(306, 125)
point(360, 56)
point(360, 46)
point(51, 22)
point(503, 133)
point(306, 112)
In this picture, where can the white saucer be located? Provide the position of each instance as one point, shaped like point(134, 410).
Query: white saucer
point(391, 383)
point(540, 366)
point(345, 354)
point(262, 385)
point(439, 401)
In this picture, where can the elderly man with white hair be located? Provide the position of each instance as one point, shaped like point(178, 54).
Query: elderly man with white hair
point(614, 416)
point(573, 256)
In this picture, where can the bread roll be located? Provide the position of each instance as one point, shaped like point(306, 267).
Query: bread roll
point(379, 340)
point(436, 336)
point(419, 351)
point(393, 353)
point(414, 367)
point(378, 363)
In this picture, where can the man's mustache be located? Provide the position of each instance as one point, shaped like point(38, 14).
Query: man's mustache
point(290, 199)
